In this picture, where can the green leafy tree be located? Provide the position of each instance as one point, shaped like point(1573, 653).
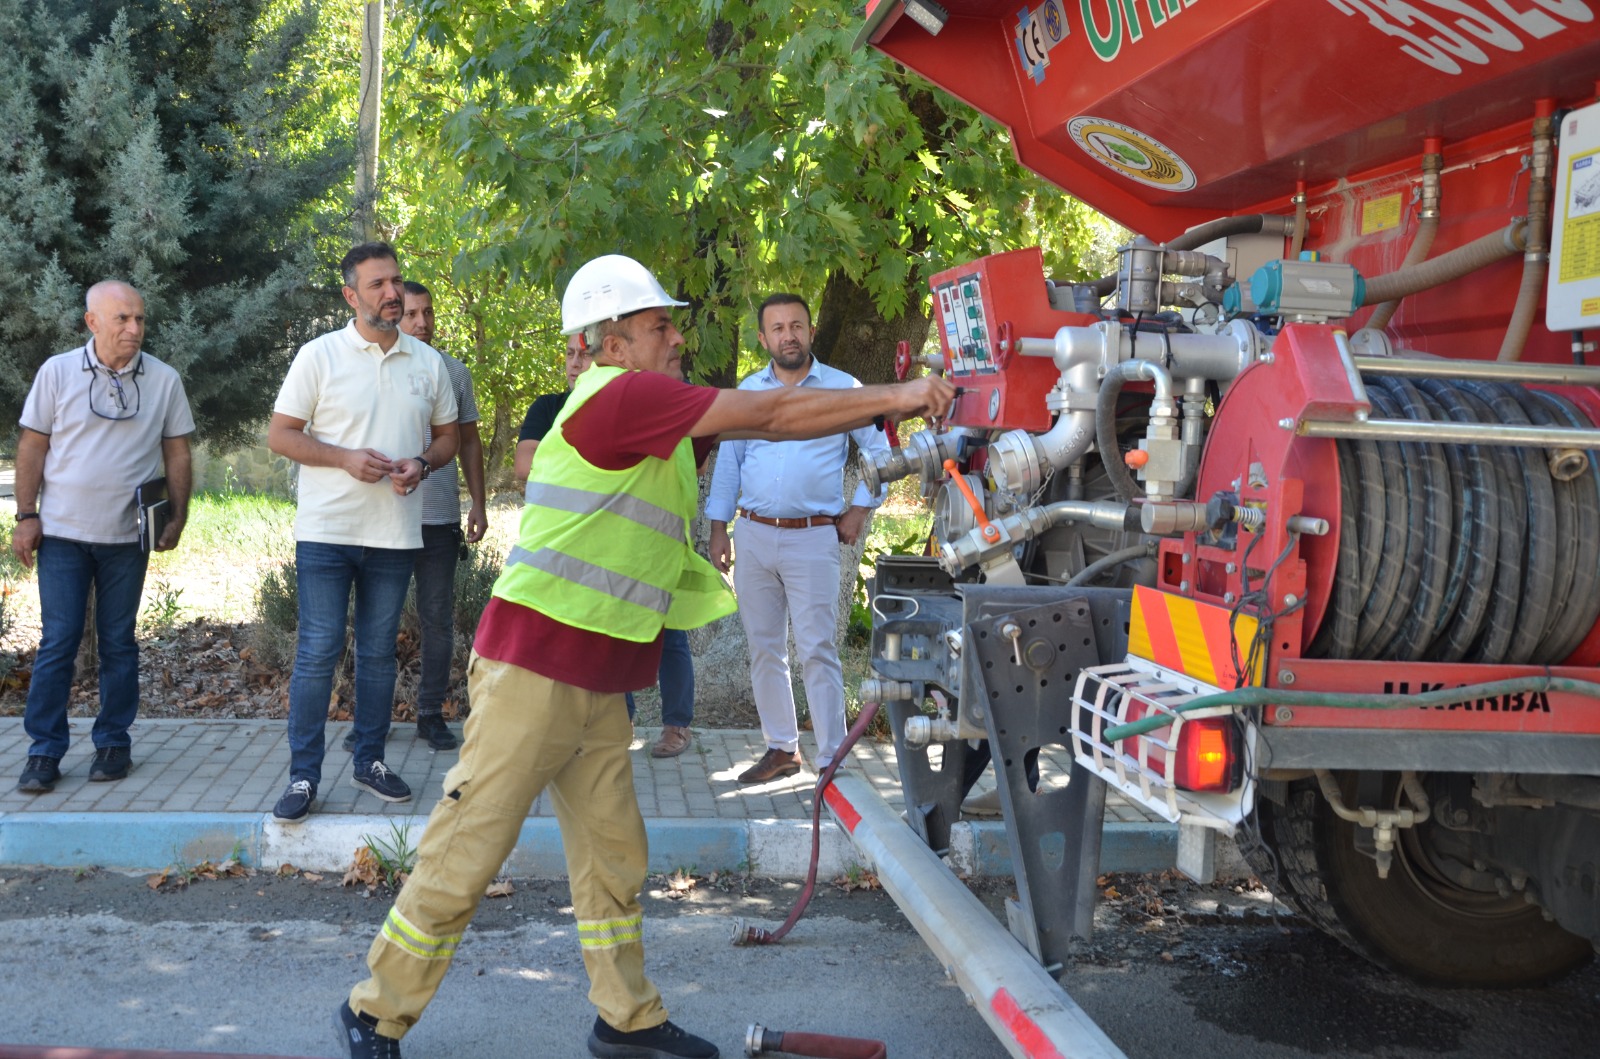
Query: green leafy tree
point(180, 146)
point(505, 329)
point(739, 148)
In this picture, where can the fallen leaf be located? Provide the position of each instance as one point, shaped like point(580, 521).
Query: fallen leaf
point(311, 876)
point(364, 870)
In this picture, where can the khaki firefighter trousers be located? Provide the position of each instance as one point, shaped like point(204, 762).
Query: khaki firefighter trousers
point(525, 733)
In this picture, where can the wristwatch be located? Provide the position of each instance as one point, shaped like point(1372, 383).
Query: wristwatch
point(23, 516)
point(427, 468)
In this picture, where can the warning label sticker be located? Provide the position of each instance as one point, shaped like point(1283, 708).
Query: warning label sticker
point(1580, 244)
point(1380, 215)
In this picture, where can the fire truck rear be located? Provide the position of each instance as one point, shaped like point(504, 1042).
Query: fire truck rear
point(1289, 530)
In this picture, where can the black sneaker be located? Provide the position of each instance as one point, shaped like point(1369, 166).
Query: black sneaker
point(295, 805)
point(359, 1034)
point(39, 775)
point(437, 734)
point(665, 1041)
point(110, 763)
point(377, 779)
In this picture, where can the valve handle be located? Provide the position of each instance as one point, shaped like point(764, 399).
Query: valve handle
point(1006, 347)
point(991, 533)
point(902, 361)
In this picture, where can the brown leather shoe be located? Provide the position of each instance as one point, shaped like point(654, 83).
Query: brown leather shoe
point(674, 741)
point(773, 765)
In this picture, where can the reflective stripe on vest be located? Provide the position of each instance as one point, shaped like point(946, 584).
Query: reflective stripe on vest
point(585, 502)
point(613, 584)
point(606, 550)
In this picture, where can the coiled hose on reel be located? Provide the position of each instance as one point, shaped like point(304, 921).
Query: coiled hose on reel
point(1464, 553)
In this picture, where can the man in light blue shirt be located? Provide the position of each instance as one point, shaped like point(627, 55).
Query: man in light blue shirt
point(790, 498)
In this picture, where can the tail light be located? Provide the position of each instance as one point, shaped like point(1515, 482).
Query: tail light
point(1205, 755)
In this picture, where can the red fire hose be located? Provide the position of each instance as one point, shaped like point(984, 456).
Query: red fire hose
point(744, 935)
point(760, 1040)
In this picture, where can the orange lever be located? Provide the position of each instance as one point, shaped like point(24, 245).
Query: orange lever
point(987, 528)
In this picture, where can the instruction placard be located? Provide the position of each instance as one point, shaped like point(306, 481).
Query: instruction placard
point(1573, 293)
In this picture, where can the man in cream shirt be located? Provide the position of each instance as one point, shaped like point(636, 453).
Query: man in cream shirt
point(354, 412)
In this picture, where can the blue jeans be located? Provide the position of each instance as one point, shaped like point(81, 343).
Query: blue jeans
point(67, 572)
point(436, 606)
point(324, 576)
point(677, 680)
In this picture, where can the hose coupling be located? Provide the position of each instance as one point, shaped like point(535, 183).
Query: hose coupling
point(874, 689)
point(922, 730)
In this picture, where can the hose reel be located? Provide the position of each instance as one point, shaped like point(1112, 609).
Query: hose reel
point(1464, 552)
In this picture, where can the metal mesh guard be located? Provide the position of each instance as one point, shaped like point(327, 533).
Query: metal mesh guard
point(1142, 767)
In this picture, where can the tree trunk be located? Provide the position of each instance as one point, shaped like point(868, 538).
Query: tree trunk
point(854, 337)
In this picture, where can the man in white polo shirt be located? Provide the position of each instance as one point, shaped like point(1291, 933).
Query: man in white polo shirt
point(100, 421)
point(355, 406)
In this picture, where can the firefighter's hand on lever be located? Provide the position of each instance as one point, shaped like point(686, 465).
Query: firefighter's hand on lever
point(928, 397)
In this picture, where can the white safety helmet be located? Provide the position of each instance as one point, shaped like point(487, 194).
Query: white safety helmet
point(608, 288)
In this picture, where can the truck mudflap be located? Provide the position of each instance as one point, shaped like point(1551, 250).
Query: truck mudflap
point(1145, 767)
point(1030, 1014)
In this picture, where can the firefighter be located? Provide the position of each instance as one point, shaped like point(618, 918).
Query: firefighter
point(603, 564)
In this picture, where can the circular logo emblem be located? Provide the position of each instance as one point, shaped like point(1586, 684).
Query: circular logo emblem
point(1131, 153)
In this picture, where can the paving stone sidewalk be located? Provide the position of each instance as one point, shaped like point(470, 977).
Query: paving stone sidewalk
point(242, 766)
point(198, 786)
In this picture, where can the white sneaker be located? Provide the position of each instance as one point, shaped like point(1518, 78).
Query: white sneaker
point(985, 805)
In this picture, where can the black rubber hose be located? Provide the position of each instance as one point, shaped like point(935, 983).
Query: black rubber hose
point(1369, 472)
point(1111, 560)
point(1406, 495)
point(1375, 606)
point(1583, 608)
point(1500, 622)
point(1461, 525)
point(1541, 547)
point(1430, 530)
point(1481, 501)
point(1105, 438)
point(1336, 637)
point(1565, 496)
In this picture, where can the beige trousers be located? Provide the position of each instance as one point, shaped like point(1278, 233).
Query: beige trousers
point(525, 733)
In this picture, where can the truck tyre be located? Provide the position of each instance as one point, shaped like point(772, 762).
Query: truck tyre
point(1415, 922)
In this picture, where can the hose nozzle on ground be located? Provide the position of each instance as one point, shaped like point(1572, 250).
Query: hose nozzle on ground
point(748, 934)
point(759, 1040)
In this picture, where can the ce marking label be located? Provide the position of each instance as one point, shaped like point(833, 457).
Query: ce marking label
point(1039, 29)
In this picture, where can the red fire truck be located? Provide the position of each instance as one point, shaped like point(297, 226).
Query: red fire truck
point(1289, 530)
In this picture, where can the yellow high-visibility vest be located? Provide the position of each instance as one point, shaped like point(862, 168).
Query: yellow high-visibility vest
point(609, 551)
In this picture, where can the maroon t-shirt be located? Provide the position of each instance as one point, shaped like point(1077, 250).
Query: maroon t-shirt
point(636, 415)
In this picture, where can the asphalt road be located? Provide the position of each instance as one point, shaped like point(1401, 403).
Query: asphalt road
point(255, 965)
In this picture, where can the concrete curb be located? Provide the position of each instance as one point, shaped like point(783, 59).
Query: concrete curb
point(776, 848)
